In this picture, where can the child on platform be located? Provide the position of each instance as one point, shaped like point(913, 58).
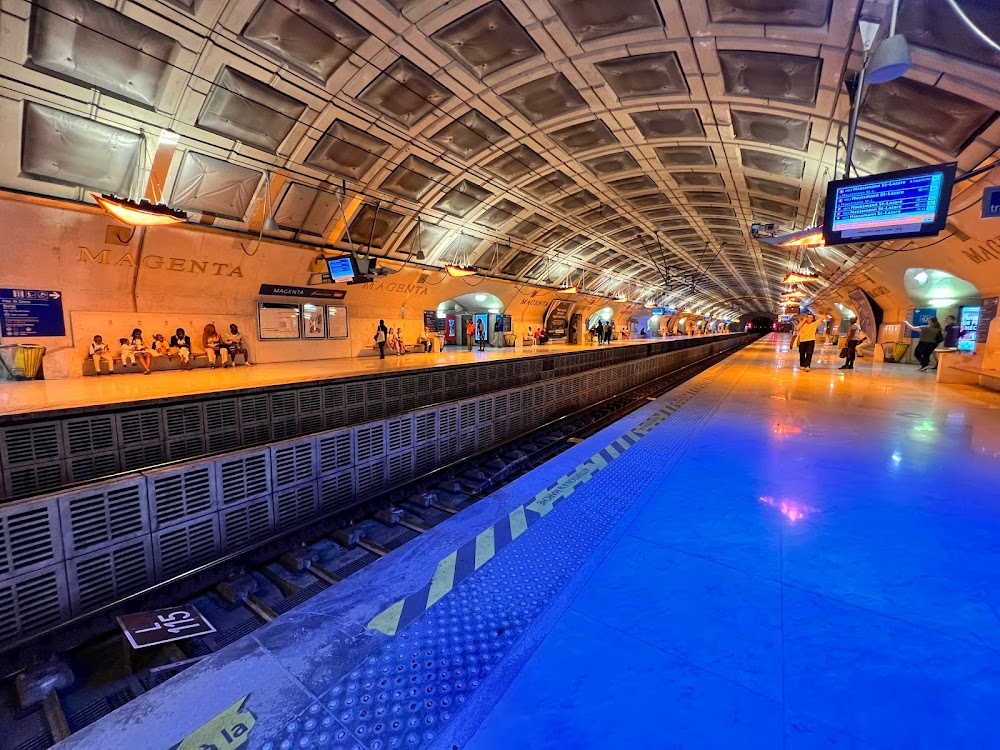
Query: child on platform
point(101, 351)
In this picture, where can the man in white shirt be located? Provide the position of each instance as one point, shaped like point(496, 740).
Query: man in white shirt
point(101, 351)
point(853, 340)
point(806, 333)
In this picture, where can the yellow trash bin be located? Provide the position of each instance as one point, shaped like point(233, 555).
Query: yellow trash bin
point(28, 361)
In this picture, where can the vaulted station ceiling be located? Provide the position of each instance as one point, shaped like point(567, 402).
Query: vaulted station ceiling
point(622, 145)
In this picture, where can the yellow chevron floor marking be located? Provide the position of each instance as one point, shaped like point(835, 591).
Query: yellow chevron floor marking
point(443, 581)
point(444, 578)
point(484, 547)
point(388, 621)
point(518, 523)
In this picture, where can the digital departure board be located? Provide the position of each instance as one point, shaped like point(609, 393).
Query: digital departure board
point(341, 269)
point(889, 206)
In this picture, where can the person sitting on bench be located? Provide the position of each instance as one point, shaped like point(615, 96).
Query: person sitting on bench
point(214, 346)
point(237, 345)
point(101, 351)
point(180, 346)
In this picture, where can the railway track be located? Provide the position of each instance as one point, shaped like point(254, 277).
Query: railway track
point(94, 672)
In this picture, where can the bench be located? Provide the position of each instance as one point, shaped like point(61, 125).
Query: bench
point(159, 364)
point(414, 348)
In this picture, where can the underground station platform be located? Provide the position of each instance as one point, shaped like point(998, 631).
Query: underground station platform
point(757, 557)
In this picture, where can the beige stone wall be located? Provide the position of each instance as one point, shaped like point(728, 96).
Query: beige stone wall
point(162, 278)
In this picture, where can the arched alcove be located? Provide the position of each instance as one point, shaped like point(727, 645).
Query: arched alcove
point(929, 287)
point(473, 302)
point(603, 315)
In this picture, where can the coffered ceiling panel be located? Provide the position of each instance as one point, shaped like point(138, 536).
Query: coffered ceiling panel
point(547, 137)
point(771, 75)
point(644, 75)
point(593, 19)
point(545, 98)
point(584, 136)
point(469, 135)
point(487, 39)
point(405, 93)
point(312, 35)
point(90, 43)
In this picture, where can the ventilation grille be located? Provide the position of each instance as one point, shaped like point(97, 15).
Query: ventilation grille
point(371, 479)
point(243, 477)
point(336, 491)
point(310, 410)
point(335, 452)
point(293, 464)
point(32, 603)
point(500, 405)
point(245, 524)
point(425, 425)
point(283, 405)
point(354, 394)
point(188, 446)
point(253, 409)
point(102, 577)
point(82, 468)
point(426, 458)
point(29, 537)
point(485, 410)
point(221, 415)
point(333, 397)
point(22, 481)
point(183, 419)
point(181, 495)
point(400, 467)
point(136, 455)
point(30, 444)
point(400, 434)
point(468, 415)
point(295, 505)
point(98, 518)
point(89, 435)
point(370, 441)
point(180, 548)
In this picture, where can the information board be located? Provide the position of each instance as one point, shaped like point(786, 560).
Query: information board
point(29, 313)
point(145, 629)
point(893, 205)
point(987, 312)
point(433, 323)
point(313, 321)
point(336, 321)
point(277, 321)
point(557, 318)
point(968, 321)
point(921, 317)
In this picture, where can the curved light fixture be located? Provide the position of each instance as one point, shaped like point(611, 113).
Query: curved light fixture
point(569, 290)
point(798, 277)
point(794, 294)
point(459, 270)
point(140, 214)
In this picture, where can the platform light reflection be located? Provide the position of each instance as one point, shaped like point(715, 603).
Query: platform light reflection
point(793, 510)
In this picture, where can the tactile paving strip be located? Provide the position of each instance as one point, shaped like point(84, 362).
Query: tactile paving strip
point(404, 694)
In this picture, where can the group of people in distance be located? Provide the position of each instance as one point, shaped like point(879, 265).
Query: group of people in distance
point(134, 351)
point(603, 331)
point(386, 338)
point(931, 335)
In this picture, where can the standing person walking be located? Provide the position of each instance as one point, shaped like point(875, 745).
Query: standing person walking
point(481, 335)
point(806, 333)
point(930, 336)
point(851, 346)
point(470, 333)
point(381, 336)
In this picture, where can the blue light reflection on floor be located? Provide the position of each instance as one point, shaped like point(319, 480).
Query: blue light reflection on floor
point(820, 570)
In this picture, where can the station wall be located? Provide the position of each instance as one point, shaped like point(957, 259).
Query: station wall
point(161, 278)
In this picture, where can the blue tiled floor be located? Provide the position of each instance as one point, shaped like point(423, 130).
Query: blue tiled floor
point(819, 570)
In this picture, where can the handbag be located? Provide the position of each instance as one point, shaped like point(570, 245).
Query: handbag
point(843, 353)
point(794, 342)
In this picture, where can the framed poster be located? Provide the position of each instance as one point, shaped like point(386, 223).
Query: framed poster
point(336, 321)
point(313, 321)
point(276, 321)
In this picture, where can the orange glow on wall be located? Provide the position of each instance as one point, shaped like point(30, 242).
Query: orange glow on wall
point(141, 214)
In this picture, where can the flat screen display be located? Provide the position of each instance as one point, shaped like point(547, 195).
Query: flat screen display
point(889, 206)
point(341, 269)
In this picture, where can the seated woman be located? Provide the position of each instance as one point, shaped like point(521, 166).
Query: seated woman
point(140, 350)
point(626, 335)
point(214, 346)
point(237, 345)
point(426, 341)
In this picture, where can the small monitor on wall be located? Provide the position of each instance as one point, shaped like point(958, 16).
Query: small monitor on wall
point(341, 269)
point(889, 206)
